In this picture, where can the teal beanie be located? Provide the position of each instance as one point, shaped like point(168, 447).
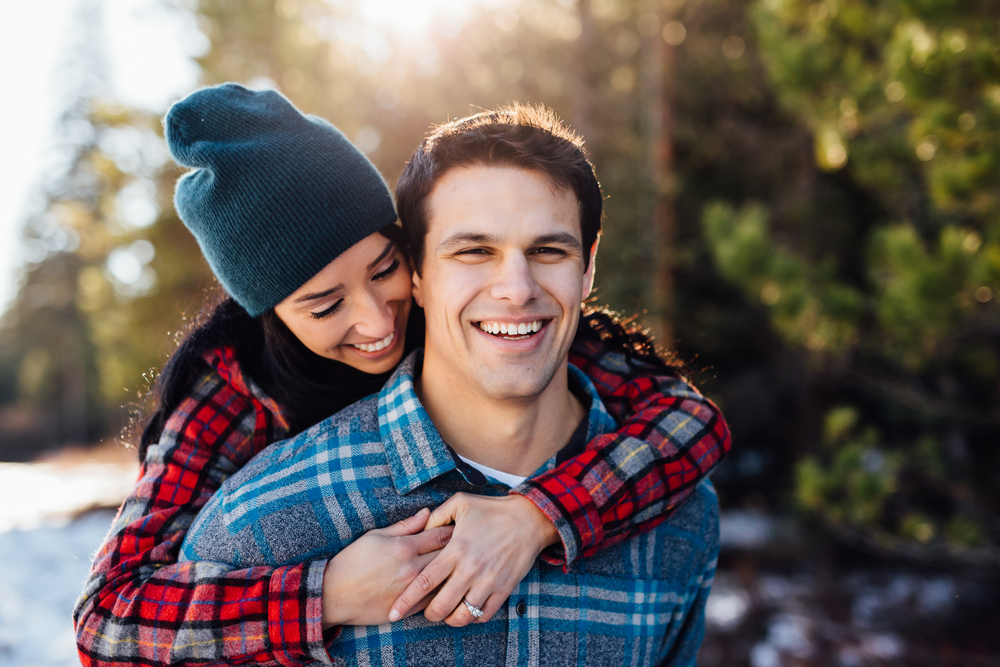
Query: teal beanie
point(274, 195)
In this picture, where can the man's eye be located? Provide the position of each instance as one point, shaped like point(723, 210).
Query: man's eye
point(550, 252)
point(329, 311)
point(388, 272)
point(472, 251)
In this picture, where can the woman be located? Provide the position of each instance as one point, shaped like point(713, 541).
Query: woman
point(298, 227)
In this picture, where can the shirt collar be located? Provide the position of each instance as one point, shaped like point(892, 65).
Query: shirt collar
point(417, 453)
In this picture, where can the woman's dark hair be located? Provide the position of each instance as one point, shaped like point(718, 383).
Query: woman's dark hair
point(627, 336)
point(308, 387)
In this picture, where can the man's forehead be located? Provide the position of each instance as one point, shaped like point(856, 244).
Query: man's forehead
point(487, 203)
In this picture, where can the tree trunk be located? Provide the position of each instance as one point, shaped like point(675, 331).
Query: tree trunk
point(655, 66)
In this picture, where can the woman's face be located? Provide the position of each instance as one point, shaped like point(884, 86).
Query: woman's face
point(355, 309)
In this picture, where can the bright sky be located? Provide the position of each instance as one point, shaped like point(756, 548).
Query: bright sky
point(147, 46)
point(414, 16)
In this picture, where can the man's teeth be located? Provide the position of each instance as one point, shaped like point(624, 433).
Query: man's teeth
point(521, 329)
point(375, 347)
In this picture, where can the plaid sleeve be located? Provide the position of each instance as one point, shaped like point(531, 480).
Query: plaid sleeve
point(140, 606)
point(627, 482)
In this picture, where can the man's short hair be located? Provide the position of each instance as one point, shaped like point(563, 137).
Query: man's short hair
point(518, 136)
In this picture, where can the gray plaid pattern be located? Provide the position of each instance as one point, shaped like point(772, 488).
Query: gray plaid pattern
point(640, 602)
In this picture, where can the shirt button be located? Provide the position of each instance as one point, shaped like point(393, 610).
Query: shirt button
point(521, 608)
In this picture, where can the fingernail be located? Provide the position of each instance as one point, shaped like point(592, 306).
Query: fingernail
point(393, 616)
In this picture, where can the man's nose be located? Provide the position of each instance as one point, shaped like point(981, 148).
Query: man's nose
point(514, 281)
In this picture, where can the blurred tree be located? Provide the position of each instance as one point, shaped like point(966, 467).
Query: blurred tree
point(801, 198)
point(48, 354)
point(895, 310)
point(89, 318)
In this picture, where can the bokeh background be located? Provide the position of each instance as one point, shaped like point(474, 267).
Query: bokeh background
point(803, 203)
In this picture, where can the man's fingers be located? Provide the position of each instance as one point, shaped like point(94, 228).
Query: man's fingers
point(408, 526)
point(421, 586)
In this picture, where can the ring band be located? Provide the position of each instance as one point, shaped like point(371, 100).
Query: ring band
point(473, 609)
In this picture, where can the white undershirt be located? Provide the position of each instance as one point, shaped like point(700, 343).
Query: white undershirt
point(499, 475)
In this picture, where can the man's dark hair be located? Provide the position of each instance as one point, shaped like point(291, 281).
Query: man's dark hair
point(517, 136)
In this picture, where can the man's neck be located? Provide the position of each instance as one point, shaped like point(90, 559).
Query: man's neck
point(516, 436)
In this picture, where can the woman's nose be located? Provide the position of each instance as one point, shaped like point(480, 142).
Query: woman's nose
point(375, 316)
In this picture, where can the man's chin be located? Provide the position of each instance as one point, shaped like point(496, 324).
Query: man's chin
point(513, 385)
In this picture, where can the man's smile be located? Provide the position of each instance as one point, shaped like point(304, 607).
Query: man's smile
point(512, 330)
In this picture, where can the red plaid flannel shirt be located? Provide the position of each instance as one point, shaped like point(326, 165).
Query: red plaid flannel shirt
point(140, 606)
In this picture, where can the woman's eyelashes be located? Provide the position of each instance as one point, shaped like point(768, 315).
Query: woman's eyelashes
point(329, 311)
point(382, 275)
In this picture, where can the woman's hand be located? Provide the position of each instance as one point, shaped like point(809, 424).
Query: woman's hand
point(362, 581)
point(495, 543)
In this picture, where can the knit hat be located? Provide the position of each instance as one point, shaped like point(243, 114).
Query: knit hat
point(274, 195)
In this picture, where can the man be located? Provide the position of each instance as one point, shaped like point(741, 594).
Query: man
point(502, 211)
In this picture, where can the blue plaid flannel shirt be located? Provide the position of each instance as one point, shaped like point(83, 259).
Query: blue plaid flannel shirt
point(640, 602)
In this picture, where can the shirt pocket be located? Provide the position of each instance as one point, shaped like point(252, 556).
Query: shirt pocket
point(590, 619)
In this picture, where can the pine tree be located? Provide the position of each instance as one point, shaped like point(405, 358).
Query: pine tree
point(895, 309)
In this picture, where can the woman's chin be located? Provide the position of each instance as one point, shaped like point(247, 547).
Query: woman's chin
point(373, 363)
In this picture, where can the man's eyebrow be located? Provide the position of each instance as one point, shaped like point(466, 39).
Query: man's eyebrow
point(464, 238)
point(562, 238)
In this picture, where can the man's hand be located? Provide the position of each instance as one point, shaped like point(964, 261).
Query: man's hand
point(495, 543)
point(362, 581)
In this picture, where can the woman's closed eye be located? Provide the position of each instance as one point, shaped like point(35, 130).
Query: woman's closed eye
point(329, 311)
point(383, 275)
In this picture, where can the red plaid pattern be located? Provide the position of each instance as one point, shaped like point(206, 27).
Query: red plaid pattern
point(671, 437)
point(140, 606)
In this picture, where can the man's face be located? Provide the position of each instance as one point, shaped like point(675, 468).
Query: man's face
point(502, 280)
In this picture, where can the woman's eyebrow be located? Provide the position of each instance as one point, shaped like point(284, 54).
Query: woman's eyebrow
point(319, 295)
point(385, 251)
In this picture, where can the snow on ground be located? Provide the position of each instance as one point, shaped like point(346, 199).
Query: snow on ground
point(46, 545)
point(42, 571)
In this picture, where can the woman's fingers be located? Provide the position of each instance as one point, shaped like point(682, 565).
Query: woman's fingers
point(449, 598)
point(445, 513)
point(422, 586)
point(463, 616)
point(432, 540)
point(408, 526)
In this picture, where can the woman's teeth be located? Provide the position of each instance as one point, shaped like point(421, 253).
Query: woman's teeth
point(375, 347)
point(503, 328)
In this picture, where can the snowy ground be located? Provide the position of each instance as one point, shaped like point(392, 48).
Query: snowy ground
point(47, 538)
point(41, 573)
point(770, 606)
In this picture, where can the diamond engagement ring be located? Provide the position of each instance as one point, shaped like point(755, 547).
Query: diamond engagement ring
point(473, 609)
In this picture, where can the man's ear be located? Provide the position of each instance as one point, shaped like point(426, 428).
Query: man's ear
point(417, 296)
point(588, 276)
